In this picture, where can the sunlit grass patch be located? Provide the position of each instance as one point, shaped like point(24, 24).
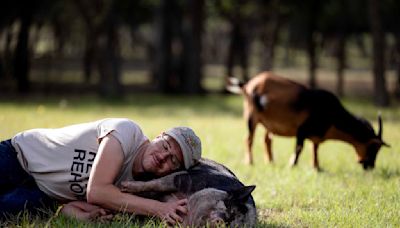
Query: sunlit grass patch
point(343, 195)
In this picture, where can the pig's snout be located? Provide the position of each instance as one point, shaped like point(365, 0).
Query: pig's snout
point(217, 218)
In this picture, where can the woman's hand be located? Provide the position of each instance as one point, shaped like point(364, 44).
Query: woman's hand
point(172, 212)
point(86, 212)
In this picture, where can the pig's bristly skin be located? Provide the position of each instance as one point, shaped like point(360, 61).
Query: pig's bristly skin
point(214, 195)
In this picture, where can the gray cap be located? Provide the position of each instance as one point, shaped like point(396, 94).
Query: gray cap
point(189, 142)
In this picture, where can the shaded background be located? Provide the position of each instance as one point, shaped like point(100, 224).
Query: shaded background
point(118, 47)
point(60, 59)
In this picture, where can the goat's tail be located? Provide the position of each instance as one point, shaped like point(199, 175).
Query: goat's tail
point(234, 85)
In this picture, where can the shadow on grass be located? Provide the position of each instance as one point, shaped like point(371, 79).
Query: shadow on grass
point(146, 103)
point(388, 173)
point(120, 220)
point(202, 104)
point(49, 218)
point(270, 225)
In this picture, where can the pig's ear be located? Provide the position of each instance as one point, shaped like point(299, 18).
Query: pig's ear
point(241, 194)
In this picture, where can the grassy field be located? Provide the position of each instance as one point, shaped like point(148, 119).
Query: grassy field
point(341, 196)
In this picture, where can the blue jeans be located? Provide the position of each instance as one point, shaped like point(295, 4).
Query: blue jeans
point(18, 190)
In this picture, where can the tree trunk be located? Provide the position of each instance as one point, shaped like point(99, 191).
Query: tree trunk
point(6, 56)
point(311, 42)
point(163, 56)
point(88, 57)
point(341, 63)
point(60, 35)
point(397, 87)
point(381, 97)
point(270, 37)
point(1, 68)
point(238, 46)
point(360, 43)
point(341, 46)
point(312, 66)
point(191, 79)
point(102, 45)
point(22, 56)
point(288, 54)
point(91, 36)
point(108, 59)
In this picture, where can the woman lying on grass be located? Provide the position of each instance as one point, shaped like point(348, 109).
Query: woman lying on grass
point(87, 163)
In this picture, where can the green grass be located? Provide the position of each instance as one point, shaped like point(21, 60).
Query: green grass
point(341, 196)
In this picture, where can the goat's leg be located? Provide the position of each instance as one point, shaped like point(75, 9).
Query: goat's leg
point(299, 148)
point(315, 158)
point(268, 147)
point(251, 124)
point(163, 184)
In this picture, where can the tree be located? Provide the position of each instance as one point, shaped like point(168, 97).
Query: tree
point(22, 52)
point(334, 26)
point(102, 44)
point(390, 20)
point(303, 27)
point(8, 14)
point(192, 32)
point(178, 58)
point(237, 14)
point(381, 94)
point(270, 25)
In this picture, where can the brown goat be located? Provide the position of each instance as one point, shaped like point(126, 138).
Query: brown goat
point(287, 108)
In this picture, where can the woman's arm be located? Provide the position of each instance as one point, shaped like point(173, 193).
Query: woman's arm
point(86, 212)
point(102, 192)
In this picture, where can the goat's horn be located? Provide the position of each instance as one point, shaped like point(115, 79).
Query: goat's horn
point(380, 131)
point(380, 126)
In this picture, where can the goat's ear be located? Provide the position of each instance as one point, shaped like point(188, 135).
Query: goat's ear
point(380, 142)
point(385, 144)
point(241, 194)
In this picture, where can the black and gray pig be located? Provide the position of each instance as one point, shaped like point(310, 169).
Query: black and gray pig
point(215, 195)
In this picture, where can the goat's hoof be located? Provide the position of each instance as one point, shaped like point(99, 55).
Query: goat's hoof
point(249, 162)
point(318, 169)
point(292, 164)
point(267, 160)
point(293, 161)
